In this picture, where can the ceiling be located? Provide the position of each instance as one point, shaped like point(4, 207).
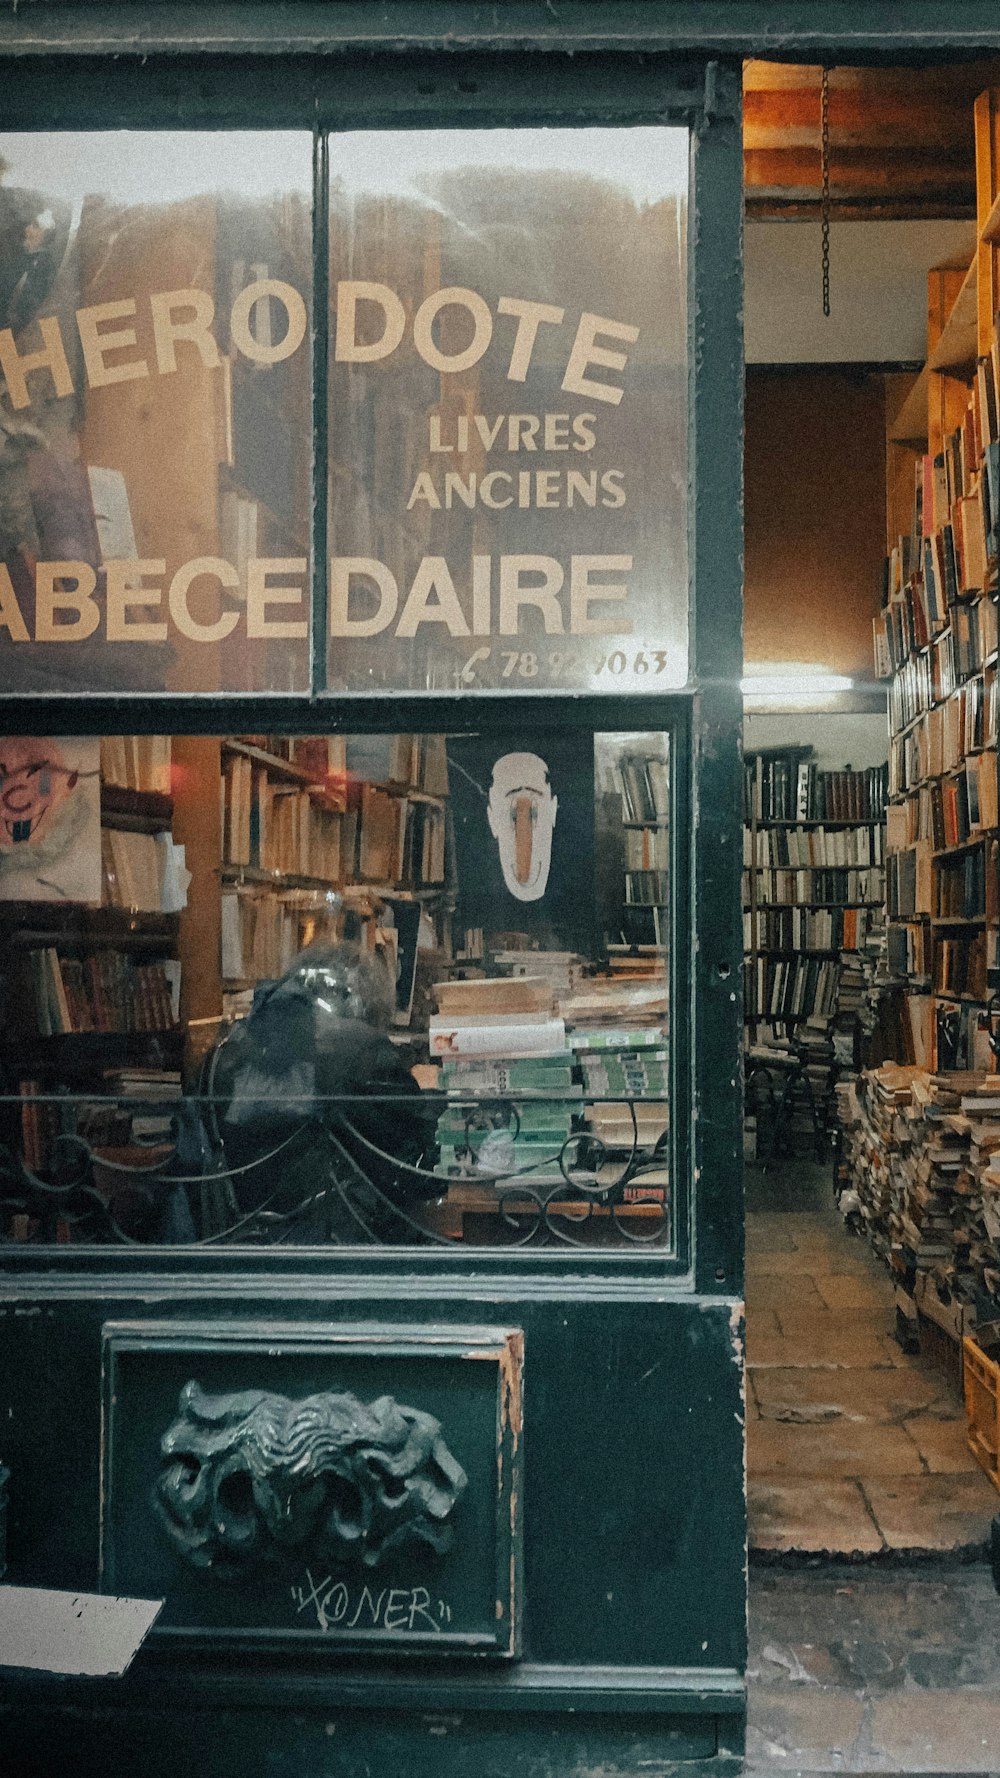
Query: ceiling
point(901, 140)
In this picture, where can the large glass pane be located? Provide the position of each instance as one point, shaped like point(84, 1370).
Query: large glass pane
point(155, 438)
point(379, 989)
point(508, 410)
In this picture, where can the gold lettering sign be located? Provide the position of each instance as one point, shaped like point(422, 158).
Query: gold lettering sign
point(155, 412)
point(508, 410)
point(506, 431)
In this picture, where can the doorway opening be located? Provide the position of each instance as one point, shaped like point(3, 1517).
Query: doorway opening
point(871, 889)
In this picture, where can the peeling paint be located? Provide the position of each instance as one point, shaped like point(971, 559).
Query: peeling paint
point(511, 1373)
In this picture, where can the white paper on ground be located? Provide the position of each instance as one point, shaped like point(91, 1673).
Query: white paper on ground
point(86, 1633)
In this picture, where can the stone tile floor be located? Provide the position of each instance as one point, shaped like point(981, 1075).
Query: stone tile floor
point(853, 1446)
point(856, 1449)
point(874, 1668)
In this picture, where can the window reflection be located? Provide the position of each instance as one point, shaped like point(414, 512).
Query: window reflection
point(508, 410)
point(368, 989)
point(155, 441)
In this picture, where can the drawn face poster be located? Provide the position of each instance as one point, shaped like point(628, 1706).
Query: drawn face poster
point(524, 836)
point(50, 819)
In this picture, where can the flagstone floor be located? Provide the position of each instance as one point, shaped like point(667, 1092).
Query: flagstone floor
point(878, 1668)
point(854, 1447)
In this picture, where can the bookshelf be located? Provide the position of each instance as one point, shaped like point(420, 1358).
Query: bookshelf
point(90, 993)
point(936, 644)
point(324, 838)
point(642, 780)
point(813, 883)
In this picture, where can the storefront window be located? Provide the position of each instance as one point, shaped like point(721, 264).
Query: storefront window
point(396, 989)
point(508, 410)
point(506, 370)
point(155, 432)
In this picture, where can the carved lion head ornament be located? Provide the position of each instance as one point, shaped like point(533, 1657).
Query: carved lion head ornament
point(249, 1477)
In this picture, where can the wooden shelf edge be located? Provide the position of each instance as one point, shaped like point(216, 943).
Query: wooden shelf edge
point(990, 232)
point(910, 426)
point(958, 345)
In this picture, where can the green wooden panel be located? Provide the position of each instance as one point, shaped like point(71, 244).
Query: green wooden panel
point(287, 1486)
point(159, 1742)
point(633, 1457)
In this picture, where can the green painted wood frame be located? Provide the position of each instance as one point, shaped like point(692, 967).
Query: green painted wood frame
point(703, 720)
point(404, 64)
point(626, 1354)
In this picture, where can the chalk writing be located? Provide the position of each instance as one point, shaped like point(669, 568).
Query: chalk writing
point(397, 1610)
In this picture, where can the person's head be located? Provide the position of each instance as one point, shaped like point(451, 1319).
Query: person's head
point(343, 982)
point(521, 811)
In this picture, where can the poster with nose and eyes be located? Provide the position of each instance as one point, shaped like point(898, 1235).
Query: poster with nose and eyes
point(50, 819)
point(524, 836)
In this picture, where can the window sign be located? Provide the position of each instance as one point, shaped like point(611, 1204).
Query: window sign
point(155, 385)
point(508, 410)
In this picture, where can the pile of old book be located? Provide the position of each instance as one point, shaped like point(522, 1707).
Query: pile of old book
point(617, 1032)
point(526, 1070)
point(920, 1167)
point(507, 1069)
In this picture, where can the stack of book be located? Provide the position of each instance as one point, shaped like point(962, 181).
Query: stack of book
point(811, 929)
point(506, 1068)
point(263, 931)
point(644, 780)
point(276, 826)
point(787, 786)
point(922, 1155)
point(40, 1124)
point(873, 1139)
point(637, 963)
point(135, 1110)
point(133, 868)
point(148, 1098)
point(790, 987)
point(617, 1032)
point(561, 969)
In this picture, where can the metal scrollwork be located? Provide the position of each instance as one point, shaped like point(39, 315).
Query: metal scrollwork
point(250, 1478)
point(329, 1180)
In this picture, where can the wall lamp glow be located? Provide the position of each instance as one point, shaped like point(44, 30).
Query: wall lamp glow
point(792, 686)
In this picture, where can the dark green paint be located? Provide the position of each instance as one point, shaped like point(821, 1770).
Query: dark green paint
point(468, 1379)
point(632, 1461)
point(634, 1638)
point(333, 27)
point(448, 1742)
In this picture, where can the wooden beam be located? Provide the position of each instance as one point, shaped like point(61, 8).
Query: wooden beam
point(862, 172)
point(958, 81)
point(778, 120)
point(779, 208)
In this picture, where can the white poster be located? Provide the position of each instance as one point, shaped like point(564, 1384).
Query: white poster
point(50, 819)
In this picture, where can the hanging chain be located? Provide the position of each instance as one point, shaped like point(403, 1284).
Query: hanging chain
point(825, 202)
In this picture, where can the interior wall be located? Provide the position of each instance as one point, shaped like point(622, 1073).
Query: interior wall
point(839, 739)
point(815, 516)
point(878, 289)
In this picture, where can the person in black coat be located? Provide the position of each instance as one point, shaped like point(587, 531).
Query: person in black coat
point(319, 1119)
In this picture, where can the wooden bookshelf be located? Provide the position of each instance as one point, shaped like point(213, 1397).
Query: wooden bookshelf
point(641, 780)
point(938, 633)
point(136, 811)
point(273, 764)
point(791, 962)
point(70, 925)
point(316, 847)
